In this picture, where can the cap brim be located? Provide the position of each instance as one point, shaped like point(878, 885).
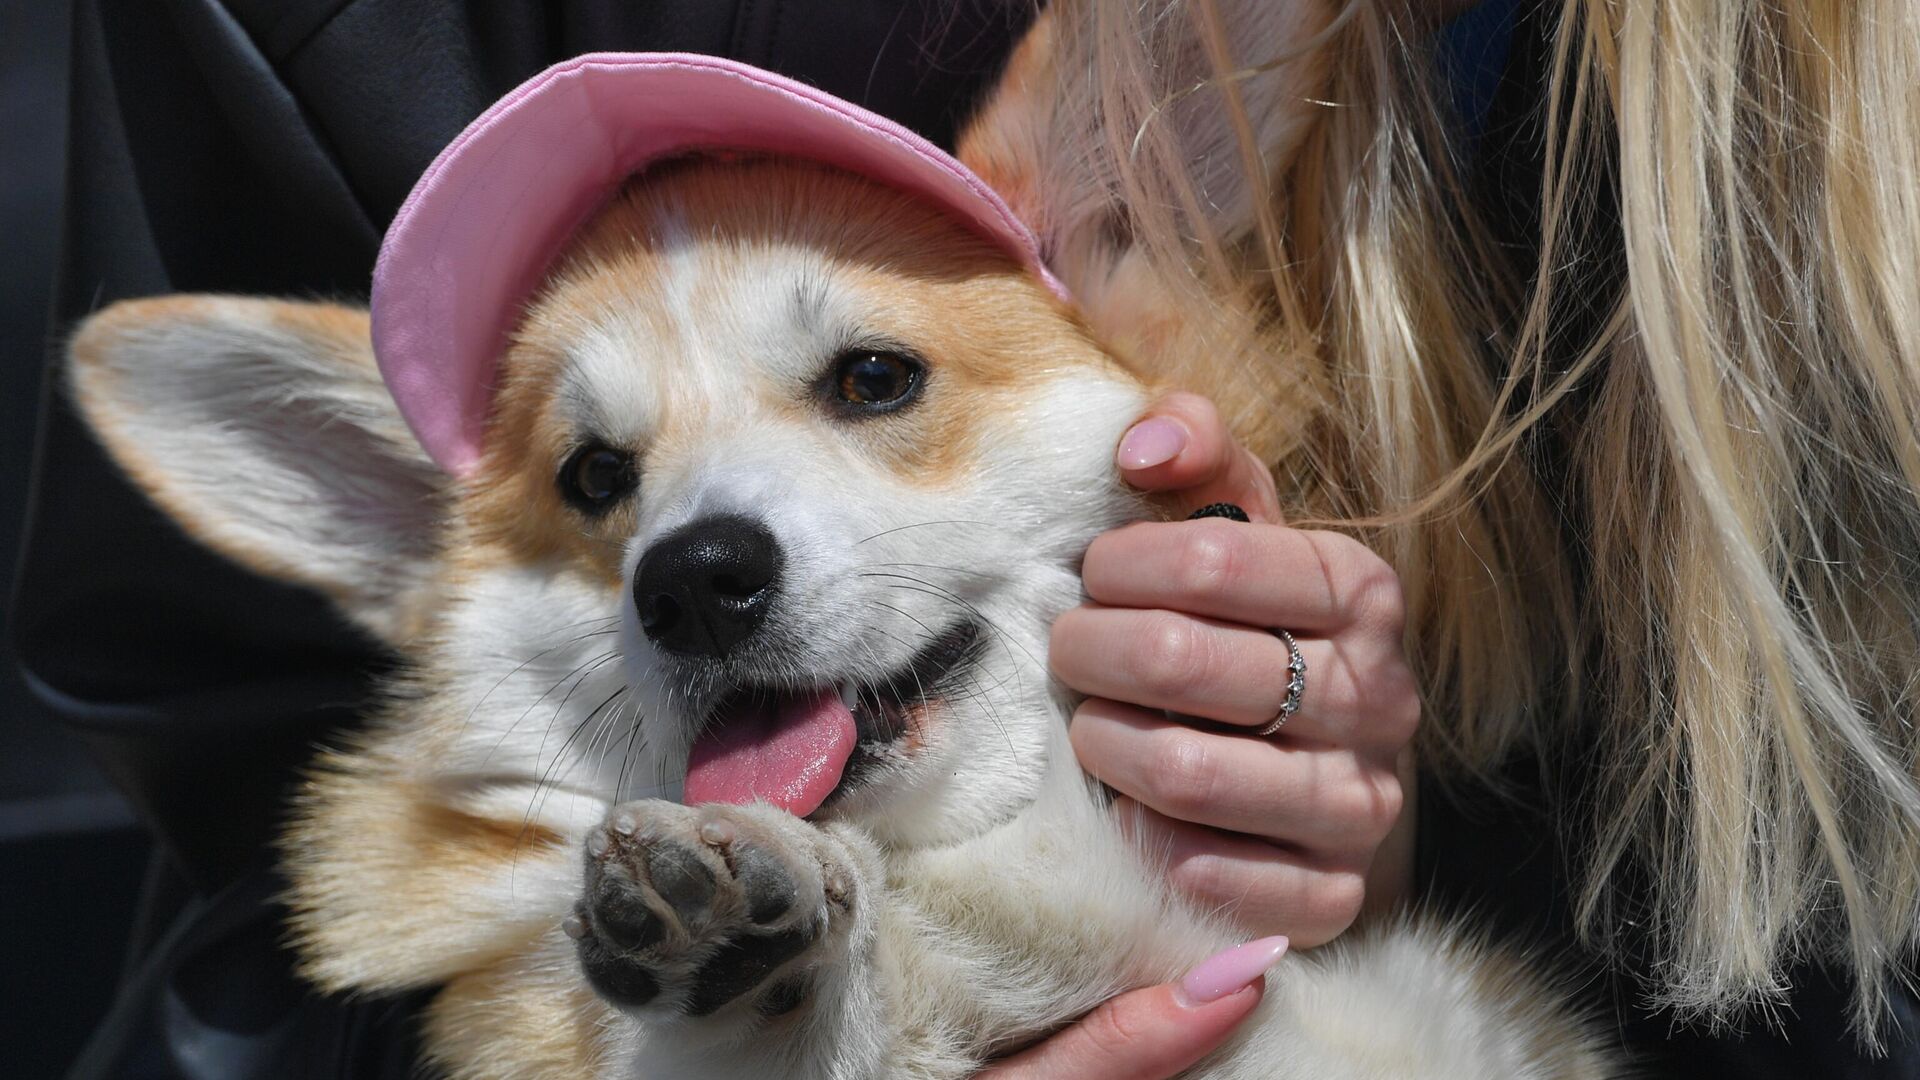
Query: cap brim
point(494, 209)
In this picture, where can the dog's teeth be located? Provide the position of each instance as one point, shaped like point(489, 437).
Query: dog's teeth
point(850, 695)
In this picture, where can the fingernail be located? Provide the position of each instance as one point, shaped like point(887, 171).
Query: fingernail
point(1152, 442)
point(1224, 973)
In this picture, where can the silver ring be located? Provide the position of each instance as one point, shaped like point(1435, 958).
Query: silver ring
point(1296, 684)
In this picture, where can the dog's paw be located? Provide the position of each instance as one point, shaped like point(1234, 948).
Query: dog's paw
point(691, 908)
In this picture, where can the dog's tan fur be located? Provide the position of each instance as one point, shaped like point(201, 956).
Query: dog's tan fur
point(443, 848)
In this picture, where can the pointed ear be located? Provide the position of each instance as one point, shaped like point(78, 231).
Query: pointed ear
point(1148, 145)
point(1103, 104)
point(264, 429)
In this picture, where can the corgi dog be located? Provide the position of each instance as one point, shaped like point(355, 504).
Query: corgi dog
point(725, 745)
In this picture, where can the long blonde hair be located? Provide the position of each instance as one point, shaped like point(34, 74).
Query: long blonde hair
point(1740, 644)
point(1753, 479)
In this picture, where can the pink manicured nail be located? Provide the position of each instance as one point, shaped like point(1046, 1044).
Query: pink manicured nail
point(1223, 973)
point(1152, 442)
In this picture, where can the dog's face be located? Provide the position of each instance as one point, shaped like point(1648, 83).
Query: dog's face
point(830, 460)
point(787, 475)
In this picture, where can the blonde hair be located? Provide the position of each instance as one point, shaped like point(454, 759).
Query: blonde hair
point(1752, 470)
point(1733, 627)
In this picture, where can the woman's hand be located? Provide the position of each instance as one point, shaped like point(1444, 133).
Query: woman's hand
point(1288, 832)
point(1283, 832)
point(1157, 1032)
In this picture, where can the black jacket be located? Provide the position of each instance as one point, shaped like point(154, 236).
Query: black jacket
point(260, 146)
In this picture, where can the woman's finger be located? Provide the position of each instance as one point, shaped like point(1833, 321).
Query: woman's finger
point(1317, 582)
point(1157, 1032)
point(1181, 446)
point(1329, 802)
point(1356, 696)
point(1260, 887)
point(1165, 660)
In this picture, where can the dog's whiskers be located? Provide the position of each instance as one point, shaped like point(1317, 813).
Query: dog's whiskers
point(584, 669)
point(547, 782)
point(974, 694)
point(929, 524)
point(937, 566)
point(524, 664)
point(575, 688)
point(1001, 636)
point(931, 633)
point(942, 592)
point(954, 595)
point(634, 746)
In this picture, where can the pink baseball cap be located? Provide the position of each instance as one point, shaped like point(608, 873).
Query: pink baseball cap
point(480, 229)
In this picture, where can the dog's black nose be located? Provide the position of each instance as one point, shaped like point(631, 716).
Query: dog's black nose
point(705, 587)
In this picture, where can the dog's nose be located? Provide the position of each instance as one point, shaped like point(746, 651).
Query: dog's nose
point(705, 587)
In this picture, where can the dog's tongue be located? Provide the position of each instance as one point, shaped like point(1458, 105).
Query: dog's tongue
point(788, 751)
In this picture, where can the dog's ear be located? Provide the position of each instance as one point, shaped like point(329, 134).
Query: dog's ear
point(1147, 145)
point(264, 429)
point(1198, 87)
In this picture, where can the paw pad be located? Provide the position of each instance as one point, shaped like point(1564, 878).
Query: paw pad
point(692, 909)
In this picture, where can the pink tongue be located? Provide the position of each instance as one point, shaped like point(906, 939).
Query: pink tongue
point(789, 752)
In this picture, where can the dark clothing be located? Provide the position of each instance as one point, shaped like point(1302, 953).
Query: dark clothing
point(260, 146)
point(1500, 862)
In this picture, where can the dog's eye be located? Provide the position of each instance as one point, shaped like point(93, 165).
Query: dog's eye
point(595, 476)
point(876, 381)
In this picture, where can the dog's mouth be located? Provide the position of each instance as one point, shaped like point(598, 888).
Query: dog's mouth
point(798, 748)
